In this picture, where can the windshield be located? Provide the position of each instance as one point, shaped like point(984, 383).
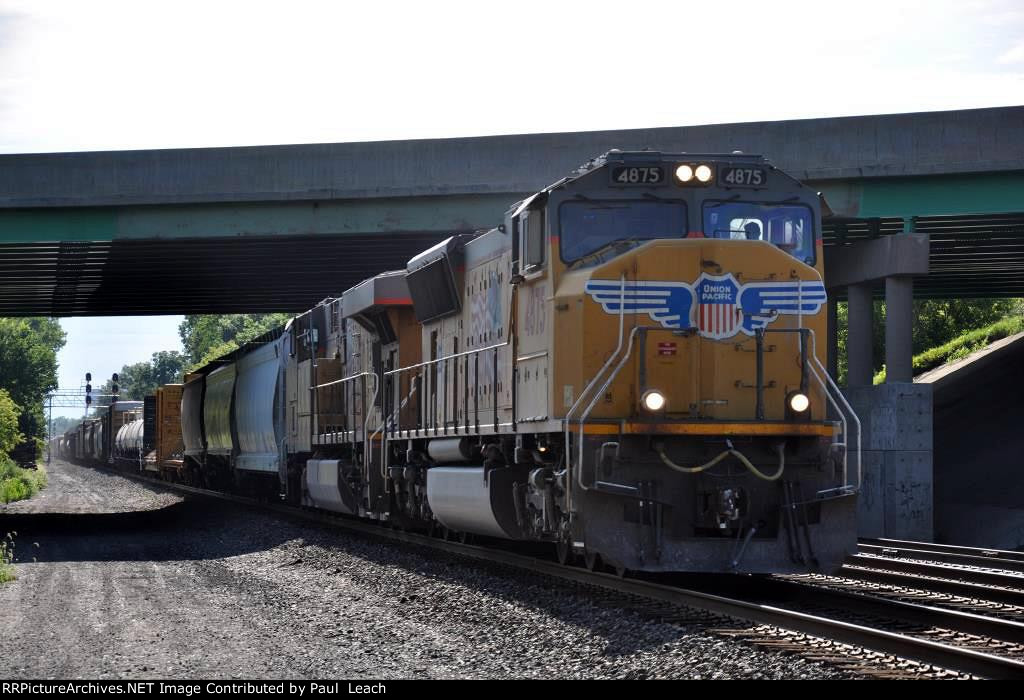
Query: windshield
point(787, 226)
point(586, 225)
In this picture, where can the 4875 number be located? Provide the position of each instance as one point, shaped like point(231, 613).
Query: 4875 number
point(638, 175)
point(744, 177)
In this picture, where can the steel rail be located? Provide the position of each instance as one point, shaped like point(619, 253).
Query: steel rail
point(925, 651)
point(917, 613)
point(972, 575)
point(991, 555)
point(963, 589)
point(974, 560)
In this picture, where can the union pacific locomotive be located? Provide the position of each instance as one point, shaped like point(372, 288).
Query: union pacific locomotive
point(628, 367)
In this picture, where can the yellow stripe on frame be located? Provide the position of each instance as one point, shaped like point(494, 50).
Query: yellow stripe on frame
point(813, 429)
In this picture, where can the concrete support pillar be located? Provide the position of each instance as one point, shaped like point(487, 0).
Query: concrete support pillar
point(832, 338)
point(899, 324)
point(859, 335)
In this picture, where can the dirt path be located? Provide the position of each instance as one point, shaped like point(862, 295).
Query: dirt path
point(75, 489)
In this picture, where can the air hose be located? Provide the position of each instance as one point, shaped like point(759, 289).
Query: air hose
point(731, 451)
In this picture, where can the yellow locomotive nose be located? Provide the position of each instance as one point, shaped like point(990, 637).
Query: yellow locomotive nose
point(692, 310)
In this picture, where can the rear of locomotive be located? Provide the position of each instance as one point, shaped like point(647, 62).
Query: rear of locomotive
point(700, 429)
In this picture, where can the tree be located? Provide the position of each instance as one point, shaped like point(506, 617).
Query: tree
point(28, 369)
point(936, 322)
point(208, 337)
point(10, 436)
point(142, 378)
point(62, 424)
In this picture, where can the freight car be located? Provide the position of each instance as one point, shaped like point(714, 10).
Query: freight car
point(629, 367)
point(94, 440)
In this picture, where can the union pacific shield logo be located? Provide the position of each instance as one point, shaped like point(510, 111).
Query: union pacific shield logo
point(716, 306)
point(718, 313)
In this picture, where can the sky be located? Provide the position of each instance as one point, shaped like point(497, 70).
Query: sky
point(104, 345)
point(112, 75)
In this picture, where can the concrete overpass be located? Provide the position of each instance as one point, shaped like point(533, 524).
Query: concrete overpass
point(202, 230)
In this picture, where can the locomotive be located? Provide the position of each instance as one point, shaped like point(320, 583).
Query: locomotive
point(629, 367)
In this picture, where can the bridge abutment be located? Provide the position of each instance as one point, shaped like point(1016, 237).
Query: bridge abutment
point(897, 485)
point(897, 482)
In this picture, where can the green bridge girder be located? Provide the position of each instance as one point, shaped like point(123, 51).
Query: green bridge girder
point(335, 217)
point(939, 195)
point(92, 260)
point(975, 226)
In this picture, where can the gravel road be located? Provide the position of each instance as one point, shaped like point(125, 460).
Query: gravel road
point(194, 588)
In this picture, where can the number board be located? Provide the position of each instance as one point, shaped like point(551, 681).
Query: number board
point(638, 175)
point(742, 176)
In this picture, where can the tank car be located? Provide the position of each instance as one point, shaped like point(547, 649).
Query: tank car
point(127, 447)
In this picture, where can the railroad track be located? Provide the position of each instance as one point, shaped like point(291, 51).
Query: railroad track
point(999, 558)
point(869, 633)
point(967, 576)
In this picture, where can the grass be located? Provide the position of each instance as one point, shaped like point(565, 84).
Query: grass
point(7, 558)
point(962, 346)
point(17, 483)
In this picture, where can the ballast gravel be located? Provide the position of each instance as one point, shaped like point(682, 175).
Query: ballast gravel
point(206, 589)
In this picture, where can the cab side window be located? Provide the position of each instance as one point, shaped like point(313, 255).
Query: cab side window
point(531, 236)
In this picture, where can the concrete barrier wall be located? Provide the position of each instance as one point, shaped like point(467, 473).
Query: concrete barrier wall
point(979, 447)
point(896, 498)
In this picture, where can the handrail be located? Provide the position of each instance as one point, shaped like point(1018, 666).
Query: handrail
point(827, 385)
point(373, 397)
point(597, 395)
point(589, 386)
point(341, 381)
point(508, 342)
point(853, 414)
point(367, 411)
point(449, 357)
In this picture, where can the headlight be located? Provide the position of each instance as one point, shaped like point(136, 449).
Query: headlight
point(684, 173)
point(799, 402)
point(703, 173)
point(653, 400)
